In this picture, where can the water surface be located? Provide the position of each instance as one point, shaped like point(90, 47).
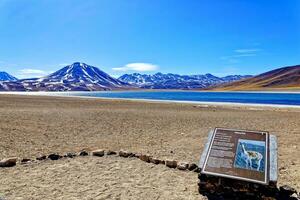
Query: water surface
point(220, 97)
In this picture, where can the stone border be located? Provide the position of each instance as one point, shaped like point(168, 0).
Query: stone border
point(185, 166)
point(213, 188)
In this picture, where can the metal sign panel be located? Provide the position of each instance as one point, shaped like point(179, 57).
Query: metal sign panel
point(238, 154)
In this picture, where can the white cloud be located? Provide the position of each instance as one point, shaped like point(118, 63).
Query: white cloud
point(240, 53)
point(32, 73)
point(141, 67)
point(245, 55)
point(237, 56)
point(247, 50)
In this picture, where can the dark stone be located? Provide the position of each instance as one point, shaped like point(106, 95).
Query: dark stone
point(8, 162)
point(70, 155)
point(54, 156)
point(202, 176)
point(83, 153)
point(287, 190)
point(171, 163)
point(41, 157)
point(109, 152)
point(192, 166)
point(268, 198)
point(224, 188)
point(154, 160)
point(25, 160)
point(134, 155)
point(145, 158)
point(98, 152)
point(137, 155)
point(125, 154)
point(197, 170)
point(162, 162)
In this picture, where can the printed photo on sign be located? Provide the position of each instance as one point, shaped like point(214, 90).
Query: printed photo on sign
point(250, 155)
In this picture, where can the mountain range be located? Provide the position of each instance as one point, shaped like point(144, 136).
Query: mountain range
point(175, 81)
point(82, 77)
point(285, 78)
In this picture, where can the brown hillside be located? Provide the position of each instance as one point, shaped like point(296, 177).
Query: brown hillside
point(278, 79)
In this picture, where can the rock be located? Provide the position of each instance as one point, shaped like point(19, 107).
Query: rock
point(109, 152)
point(202, 177)
point(171, 163)
point(98, 152)
point(145, 158)
point(295, 196)
point(287, 190)
point(183, 166)
point(125, 154)
point(162, 162)
point(41, 157)
point(132, 155)
point(192, 166)
point(70, 155)
point(137, 155)
point(268, 198)
point(154, 160)
point(8, 162)
point(202, 187)
point(197, 170)
point(83, 153)
point(25, 160)
point(211, 188)
point(54, 156)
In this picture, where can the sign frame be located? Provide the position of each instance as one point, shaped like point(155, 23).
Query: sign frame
point(267, 157)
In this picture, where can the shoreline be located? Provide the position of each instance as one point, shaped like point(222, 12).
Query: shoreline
point(203, 103)
point(167, 90)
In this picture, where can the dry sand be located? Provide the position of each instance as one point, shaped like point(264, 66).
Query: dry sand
point(30, 125)
point(97, 178)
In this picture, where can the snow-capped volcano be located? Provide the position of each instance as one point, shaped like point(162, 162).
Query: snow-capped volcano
point(75, 77)
point(7, 77)
point(83, 74)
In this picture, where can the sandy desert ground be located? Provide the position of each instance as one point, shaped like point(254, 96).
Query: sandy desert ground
point(98, 178)
point(32, 125)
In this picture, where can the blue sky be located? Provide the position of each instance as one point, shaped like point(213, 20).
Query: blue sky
point(123, 36)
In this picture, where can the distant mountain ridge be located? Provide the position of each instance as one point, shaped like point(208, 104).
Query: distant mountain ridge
point(281, 78)
point(175, 81)
point(4, 76)
point(75, 77)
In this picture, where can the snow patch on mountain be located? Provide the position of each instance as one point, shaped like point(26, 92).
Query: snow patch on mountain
point(175, 81)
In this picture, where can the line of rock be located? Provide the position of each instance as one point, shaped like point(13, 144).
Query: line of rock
point(10, 162)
